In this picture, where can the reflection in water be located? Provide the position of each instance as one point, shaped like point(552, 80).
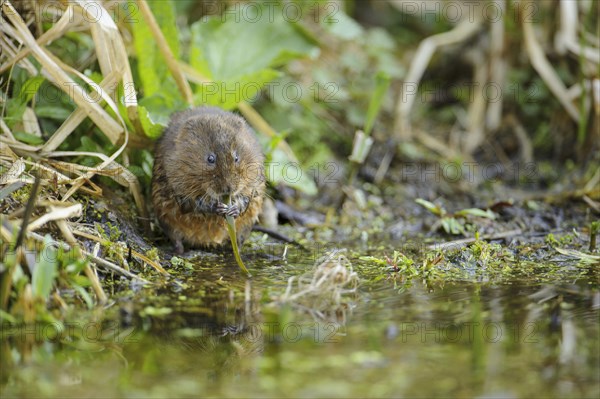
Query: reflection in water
point(459, 340)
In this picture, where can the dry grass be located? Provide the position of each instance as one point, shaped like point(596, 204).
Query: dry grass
point(323, 292)
point(53, 208)
point(491, 62)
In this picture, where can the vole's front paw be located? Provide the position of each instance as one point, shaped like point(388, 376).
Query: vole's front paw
point(221, 209)
point(226, 210)
point(233, 211)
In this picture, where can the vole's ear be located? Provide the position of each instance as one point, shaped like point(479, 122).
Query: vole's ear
point(194, 125)
point(198, 129)
point(238, 123)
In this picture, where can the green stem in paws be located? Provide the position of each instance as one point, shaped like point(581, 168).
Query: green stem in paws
point(234, 242)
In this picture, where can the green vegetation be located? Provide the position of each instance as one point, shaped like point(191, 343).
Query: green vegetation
point(412, 151)
point(306, 93)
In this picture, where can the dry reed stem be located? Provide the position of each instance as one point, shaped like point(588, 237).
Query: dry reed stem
point(566, 37)
point(55, 70)
point(541, 64)
point(13, 174)
point(475, 134)
point(497, 65)
point(112, 57)
point(57, 30)
point(6, 131)
point(10, 49)
point(426, 49)
point(58, 77)
point(57, 214)
point(74, 120)
point(30, 123)
point(193, 75)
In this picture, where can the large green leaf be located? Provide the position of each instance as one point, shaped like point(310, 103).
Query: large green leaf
point(228, 94)
point(343, 26)
point(152, 128)
point(239, 49)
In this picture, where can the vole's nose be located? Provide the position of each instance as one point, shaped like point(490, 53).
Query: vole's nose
point(227, 190)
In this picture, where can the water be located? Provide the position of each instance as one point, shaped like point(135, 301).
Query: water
point(214, 336)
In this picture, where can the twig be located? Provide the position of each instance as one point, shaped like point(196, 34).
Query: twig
point(99, 261)
point(136, 254)
point(498, 236)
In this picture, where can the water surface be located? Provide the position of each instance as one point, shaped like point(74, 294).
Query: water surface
point(216, 334)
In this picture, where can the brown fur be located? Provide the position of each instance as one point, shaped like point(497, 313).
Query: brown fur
point(182, 175)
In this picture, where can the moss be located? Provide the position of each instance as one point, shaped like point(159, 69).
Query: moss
point(22, 195)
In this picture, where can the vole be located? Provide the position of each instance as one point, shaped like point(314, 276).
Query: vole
point(205, 156)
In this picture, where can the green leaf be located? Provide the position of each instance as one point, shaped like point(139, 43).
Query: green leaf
point(382, 83)
point(7, 317)
point(238, 54)
point(14, 112)
point(224, 49)
point(582, 256)
point(377, 261)
point(29, 88)
point(477, 212)
point(343, 26)
point(282, 170)
point(58, 113)
point(431, 207)
point(85, 295)
point(151, 128)
point(152, 68)
point(152, 311)
point(274, 142)
point(28, 138)
point(452, 226)
point(89, 145)
point(80, 280)
point(234, 243)
point(45, 271)
point(228, 94)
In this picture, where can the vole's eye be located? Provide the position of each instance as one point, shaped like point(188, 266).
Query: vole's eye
point(211, 159)
point(236, 157)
